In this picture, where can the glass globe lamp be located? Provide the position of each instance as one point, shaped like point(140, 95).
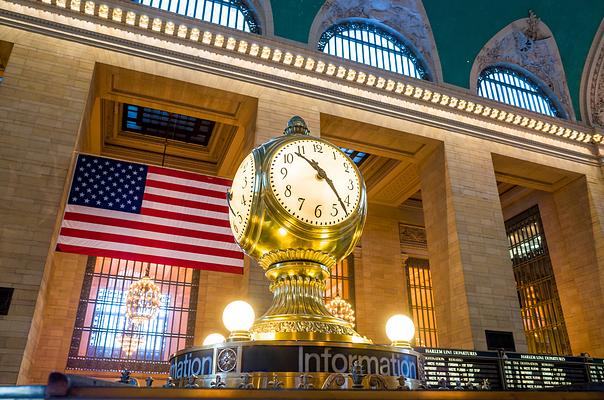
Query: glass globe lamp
point(213, 338)
point(143, 300)
point(238, 317)
point(400, 330)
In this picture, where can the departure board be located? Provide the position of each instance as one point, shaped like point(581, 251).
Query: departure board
point(595, 367)
point(532, 371)
point(464, 366)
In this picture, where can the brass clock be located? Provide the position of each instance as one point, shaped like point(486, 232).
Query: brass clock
point(298, 205)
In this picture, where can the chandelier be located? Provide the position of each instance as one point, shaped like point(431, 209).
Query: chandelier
point(129, 343)
point(143, 300)
point(340, 308)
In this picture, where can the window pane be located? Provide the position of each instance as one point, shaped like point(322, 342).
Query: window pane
point(229, 13)
point(510, 87)
point(421, 301)
point(367, 44)
point(541, 311)
point(104, 339)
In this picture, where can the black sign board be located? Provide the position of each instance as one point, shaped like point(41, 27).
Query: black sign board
point(465, 366)
point(532, 371)
point(595, 368)
point(330, 359)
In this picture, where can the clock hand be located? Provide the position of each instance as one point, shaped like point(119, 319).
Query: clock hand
point(330, 183)
point(323, 175)
point(229, 197)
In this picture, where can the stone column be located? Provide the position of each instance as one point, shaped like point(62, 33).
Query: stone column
point(579, 261)
point(42, 101)
point(473, 281)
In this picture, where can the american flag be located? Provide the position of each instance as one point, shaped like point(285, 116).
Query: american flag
point(145, 213)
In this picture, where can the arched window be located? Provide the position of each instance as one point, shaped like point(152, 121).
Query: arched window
point(371, 45)
point(230, 13)
point(512, 87)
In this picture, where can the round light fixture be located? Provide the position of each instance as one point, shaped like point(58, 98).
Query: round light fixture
point(213, 338)
point(238, 317)
point(400, 330)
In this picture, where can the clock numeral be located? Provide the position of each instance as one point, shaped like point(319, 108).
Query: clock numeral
point(334, 209)
point(334, 154)
point(239, 217)
point(244, 182)
point(235, 229)
point(318, 211)
point(350, 184)
point(317, 148)
point(288, 191)
point(346, 167)
point(347, 200)
point(301, 149)
point(301, 200)
point(243, 200)
point(288, 158)
point(283, 172)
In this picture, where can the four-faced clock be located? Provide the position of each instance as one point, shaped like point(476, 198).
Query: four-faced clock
point(315, 182)
point(240, 196)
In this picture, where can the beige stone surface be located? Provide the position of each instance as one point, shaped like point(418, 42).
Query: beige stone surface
point(474, 288)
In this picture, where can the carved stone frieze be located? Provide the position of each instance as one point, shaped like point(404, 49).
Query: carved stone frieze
point(407, 17)
point(412, 236)
point(303, 326)
point(529, 44)
point(594, 92)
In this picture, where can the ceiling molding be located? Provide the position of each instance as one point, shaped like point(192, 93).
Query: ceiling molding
point(416, 94)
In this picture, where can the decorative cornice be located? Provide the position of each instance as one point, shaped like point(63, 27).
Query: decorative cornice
point(179, 30)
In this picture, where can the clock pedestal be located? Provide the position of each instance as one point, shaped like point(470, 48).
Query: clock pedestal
point(298, 310)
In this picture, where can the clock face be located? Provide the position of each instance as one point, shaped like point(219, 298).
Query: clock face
point(315, 182)
point(240, 196)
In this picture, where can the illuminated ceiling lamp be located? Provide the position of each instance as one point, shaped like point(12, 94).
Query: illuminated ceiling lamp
point(340, 308)
point(400, 330)
point(143, 300)
point(129, 343)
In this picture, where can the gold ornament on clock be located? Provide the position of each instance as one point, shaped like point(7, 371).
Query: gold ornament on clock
point(298, 205)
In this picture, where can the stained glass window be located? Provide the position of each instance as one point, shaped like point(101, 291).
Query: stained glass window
point(511, 87)
point(371, 45)
point(230, 13)
point(104, 339)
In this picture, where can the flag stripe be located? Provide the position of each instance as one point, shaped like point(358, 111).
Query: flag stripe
point(188, 196)
point(171, 220)
point(150, 250)
point(148, 234)
point(187, 182)
point(200, 219)
point(186, 189)
point(166, 205)
point(183, 203)
point(188, 175)
point(71, 218)
point(152, 259)
point(150, 242)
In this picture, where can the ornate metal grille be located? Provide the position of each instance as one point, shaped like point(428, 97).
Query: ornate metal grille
point(542, 316)
point(167, 125)
point(230, 13)
point(421, 301)
point(103, 340)
point(368, 44)
point(511, 87)
point(341, 281)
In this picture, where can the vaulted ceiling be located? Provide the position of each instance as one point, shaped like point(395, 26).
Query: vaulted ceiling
point(462, 28)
